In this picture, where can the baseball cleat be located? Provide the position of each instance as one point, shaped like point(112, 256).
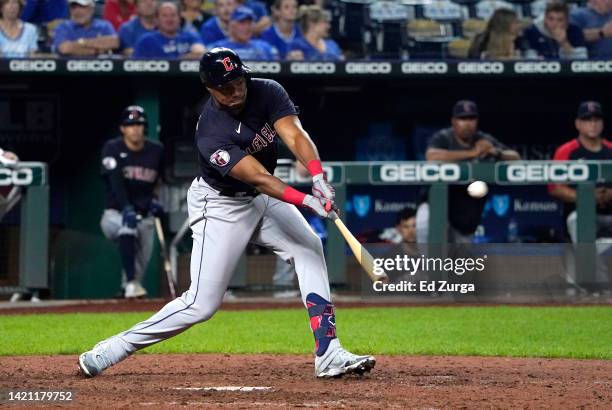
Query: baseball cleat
point(95, 361)
point(134, 289)
point(337, 362)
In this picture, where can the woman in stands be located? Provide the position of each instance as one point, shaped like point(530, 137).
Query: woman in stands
point(501, 39)
point(314, 45)
point(17, 38)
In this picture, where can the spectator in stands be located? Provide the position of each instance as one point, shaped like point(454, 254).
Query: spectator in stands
point(595, 20)
point(262, 19)
point(501, 39)
point(17, 38)
point(241, 39)
point(589, 145)
point(217, 28)
point(314, 45)
point(552, 36)
point(192, 16)
point(461, 142)
point(118, 12)
point(84, 35)
point(144, 22)
point(43, 12)
point(285, 29)
point(168, 41)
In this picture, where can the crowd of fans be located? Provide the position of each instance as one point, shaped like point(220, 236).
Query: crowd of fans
point(282, 30)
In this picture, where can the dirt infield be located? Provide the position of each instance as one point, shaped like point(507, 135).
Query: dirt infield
point(206, 380)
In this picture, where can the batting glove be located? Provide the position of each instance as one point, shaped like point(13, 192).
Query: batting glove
point(155, 208)
point(130, 217)
point(320, 206)
point(321, 188)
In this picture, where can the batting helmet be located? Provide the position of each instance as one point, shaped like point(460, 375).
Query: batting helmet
point(134, 114)
point(221, 65)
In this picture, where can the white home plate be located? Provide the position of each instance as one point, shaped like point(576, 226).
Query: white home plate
point(226, 388)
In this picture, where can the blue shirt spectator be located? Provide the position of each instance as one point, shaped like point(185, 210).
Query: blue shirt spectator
point(253, 50)
point(133, 30)
point(551, 36)
point(43, 11)
point(595, 20)
point(262, 19)
point(332, 50)
point(285, 30)
point(315, 44)
point(156, 45)
point(216, 28)
point(168, 41)
point(84, 35)
point(241, 37)
point(23, 45)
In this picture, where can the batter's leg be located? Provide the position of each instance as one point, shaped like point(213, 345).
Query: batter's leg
point(221, 230)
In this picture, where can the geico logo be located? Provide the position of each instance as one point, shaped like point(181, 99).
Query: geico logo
point(592, 66)
point(547, 172)
point(189, 66)
point(150, 66)
point(424, 68)
point(537, 67)
point(420, 172)
point(312, 68)
point(264, 67)
point(22, 176)
point(32, 65)
point(481, 68)
point(89, 65)
point(368, 68)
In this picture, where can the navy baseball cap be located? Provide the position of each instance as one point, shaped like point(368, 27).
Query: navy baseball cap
point(589, 109)
point(465, 109)
point(242, 13)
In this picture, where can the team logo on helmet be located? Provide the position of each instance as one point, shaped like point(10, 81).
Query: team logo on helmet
point(109, 163)
point(228, 64)
point(220, 158)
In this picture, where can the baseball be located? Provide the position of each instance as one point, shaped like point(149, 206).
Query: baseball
point(477, 189)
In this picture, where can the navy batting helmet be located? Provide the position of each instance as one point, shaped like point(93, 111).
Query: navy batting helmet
point(134, 114)
point(221, 65)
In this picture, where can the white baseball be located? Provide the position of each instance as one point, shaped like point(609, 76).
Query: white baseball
point(477, 189)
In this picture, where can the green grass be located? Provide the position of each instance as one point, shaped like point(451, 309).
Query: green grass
point(574, 332)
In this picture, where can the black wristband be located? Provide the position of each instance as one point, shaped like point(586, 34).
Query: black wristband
point(602, 34)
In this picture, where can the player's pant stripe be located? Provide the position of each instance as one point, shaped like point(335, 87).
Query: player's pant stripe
point(198, 281)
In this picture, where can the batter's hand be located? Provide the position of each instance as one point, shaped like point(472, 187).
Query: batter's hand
point(320, 206)
point(155, 208)
point(321, 188)
point(130, 217)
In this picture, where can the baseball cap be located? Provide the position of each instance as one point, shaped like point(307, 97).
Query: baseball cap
point(465, 109)
point(82, 2)
point(242, 13)
point(588, 109)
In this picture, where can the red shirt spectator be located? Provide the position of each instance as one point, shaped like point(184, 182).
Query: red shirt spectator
point(118, 12)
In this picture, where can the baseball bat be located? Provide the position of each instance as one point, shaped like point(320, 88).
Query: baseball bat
point(362, 255)
point(164, 251)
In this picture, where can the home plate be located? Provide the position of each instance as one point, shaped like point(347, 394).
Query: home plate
point(225, 388)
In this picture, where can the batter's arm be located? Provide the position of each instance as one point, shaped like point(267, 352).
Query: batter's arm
point(296, 138)
point(252, 172)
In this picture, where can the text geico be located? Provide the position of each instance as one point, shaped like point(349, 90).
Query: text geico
point(420, 172)
point(146, 66)
point(32, 65)
point(23, 176)
point(547, 172)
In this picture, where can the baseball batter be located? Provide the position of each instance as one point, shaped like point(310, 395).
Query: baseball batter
point(131, 168)
point(236, 200)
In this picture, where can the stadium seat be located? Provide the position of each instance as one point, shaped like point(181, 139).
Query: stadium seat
point(471, 27)
point(485, 8)
point(459, 48)
point(386, 35)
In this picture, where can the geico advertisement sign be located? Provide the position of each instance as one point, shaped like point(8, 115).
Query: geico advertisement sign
point(368, 68)
point(149, 66)
point(89, 65)
point(592, 66)
point(312, 68)
point(546, 172)
point(264, 67)
point(32, 65)
point(537, 67)
point(23, 176)
point(424, 68)
point(481, 68)
point(419, 172)
point(289, 174)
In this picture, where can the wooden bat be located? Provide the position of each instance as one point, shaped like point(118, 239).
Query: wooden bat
point(164, 251)
point(362, 255)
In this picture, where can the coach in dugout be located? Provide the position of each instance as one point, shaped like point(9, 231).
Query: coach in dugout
point(463, 141)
